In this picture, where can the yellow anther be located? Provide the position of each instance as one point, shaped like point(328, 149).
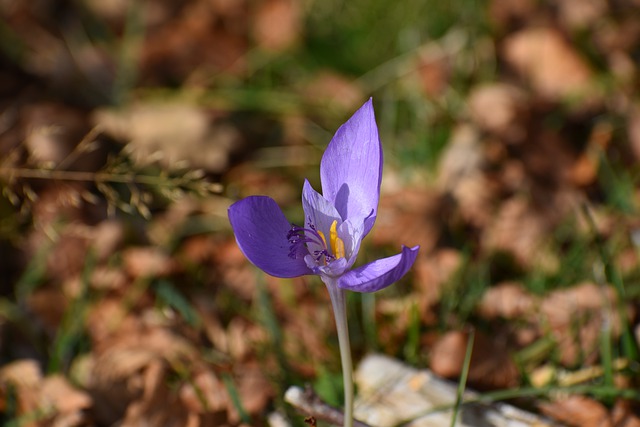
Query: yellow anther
point(337, 245)
point(323, 238)
point(338, 249)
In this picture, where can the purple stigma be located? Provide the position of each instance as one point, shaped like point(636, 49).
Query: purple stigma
point(301, 237)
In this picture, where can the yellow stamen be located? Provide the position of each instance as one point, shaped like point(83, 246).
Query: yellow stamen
point(323, 238)
point(337, 245)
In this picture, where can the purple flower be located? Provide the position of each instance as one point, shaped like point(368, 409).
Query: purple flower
point(336, 221)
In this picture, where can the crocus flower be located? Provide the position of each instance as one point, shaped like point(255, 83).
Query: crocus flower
point(336, 221)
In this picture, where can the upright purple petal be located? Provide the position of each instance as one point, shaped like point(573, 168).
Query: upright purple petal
point(379, 274)
point(318, 209)
point(351, 168)
point(352, 234)
point(261, 232)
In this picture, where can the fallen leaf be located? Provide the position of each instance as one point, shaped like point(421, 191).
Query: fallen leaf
point(329, 88)
point(575, 317)
point(146, 262)
point(56, 391)
point(461, 176)
point(413, 216)
point(152, 130)
point(579, 14)
point(578, 411)
point(548, 62)
point(500, 108)
point(435, 74)
point(447, 355)
point(518, 229)
point(433, 271)
point(26, 377)
point(507, 300)
point(491, 366)
point(277, 24)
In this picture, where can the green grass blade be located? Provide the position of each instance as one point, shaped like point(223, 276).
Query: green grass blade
point(463, 378)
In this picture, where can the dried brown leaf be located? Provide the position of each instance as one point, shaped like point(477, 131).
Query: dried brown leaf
point(277, 24)
point(157, 406)
point(506, 13)
point(335, 90)
point(575, 317)
point(205, 393)
point(461, 175)
point(58, 392)
point(578, 411)
point(500, 108)
point(106, 238)
point(434, 75)
point(26, 377)
point(633, 129)
point(507, 300)
point(194, 38)
point(48, 305)
point(518, 229)
point(254, 389)
point(548, 62)
point(53, 130)
point(154, 128)
point(412, 216)
point(147, 262)
point(623, 415)
point(432, 272)
point(578, 14)
point(491, 365)
point(447, 355)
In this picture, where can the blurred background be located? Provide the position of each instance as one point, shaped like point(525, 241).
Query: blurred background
point(511, 134)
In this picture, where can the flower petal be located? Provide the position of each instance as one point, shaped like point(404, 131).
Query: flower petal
point(261, 232)
point(352, 235)
point(318, 209)
point(379, 274)
point(351, 168)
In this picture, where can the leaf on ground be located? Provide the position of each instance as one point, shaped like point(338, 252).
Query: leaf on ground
point(491, 364)
point(65, 398)
point(123, 376)
point(152, 129)
point(461, 176)
point(579, 14)
point(157, 404)
point(52, 132)
point(633, 129)
point(500, 108)
point(575, 317)
point(25, 376)
point(518, 229)
point(107, 237)
point(234, 269)
point(334, 90)
point(432, 272)
point(434, 74)
point(412, 216)
point(205, 393)
point(548, 62)
point(147, 261)
point(508, 300)
point(277, 24)
point(196, 37)
point(577, 411)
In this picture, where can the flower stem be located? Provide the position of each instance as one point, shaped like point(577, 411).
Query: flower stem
point(338, 301)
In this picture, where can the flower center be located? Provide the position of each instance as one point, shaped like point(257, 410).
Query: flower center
point(313, 241)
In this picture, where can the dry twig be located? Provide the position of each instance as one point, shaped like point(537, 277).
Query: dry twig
point(308, 402)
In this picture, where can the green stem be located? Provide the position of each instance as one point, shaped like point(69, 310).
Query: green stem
point(338, 300)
